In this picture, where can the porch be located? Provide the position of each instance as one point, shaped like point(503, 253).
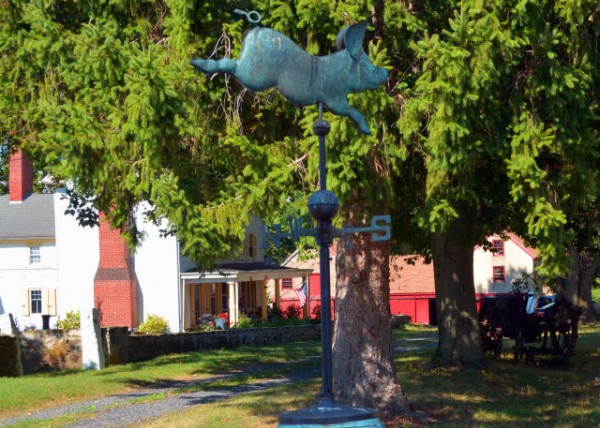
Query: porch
point(220, 297)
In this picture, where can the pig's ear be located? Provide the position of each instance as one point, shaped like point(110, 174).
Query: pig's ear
point(339, 39)
point(353, 38)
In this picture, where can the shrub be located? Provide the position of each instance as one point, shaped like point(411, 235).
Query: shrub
point(277, 314)
point(292, 311)
point(154, 324)
point(72, 320)
point(244, 322)
point(316, 314)
point(400, 321)
point(200, 327)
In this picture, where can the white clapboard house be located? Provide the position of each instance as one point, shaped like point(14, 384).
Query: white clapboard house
point(50, 265)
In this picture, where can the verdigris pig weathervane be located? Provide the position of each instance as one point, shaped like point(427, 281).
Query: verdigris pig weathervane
point(269, 59)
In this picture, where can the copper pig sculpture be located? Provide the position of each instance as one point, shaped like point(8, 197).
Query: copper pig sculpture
point(269, 59)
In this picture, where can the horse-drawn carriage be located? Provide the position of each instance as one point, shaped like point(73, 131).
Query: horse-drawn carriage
point(539, 325)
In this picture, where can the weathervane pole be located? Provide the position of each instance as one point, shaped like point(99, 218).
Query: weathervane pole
point(267, 57)
point(323, 206)
point(321, 129)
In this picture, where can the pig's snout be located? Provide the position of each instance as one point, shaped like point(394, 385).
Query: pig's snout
point(381, 75)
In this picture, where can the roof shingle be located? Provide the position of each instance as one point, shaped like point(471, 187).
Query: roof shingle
point(32, 218)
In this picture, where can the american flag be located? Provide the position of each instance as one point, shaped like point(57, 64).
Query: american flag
point(301, 293)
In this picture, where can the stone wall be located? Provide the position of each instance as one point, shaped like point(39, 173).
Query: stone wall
point(10, 364)
point(43, 350)
point(124, 348)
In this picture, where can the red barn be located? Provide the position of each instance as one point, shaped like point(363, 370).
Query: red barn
point(412, 289)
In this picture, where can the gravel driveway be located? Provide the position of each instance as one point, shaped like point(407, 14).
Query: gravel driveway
point(127, 409)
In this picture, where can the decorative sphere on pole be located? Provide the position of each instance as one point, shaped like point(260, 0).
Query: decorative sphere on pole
point(323, 205)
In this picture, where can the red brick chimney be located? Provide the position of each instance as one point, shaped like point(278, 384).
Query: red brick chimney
point(20, 176)
point(115, 283)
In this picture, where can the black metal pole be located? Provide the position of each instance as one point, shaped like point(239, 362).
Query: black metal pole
point(323, 206)
point(324, 238)
point(323, 131)
point(327, 373)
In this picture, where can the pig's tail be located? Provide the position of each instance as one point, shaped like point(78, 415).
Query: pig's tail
point(253, 17)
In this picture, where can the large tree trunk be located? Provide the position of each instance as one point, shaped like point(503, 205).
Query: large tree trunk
point(364, 374)
point(578, 285)
point(458, 323)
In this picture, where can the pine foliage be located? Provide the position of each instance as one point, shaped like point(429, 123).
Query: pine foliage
point(491, 109)
point(504, 114)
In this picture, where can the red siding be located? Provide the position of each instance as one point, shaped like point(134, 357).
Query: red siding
point(313, 298)
point(416, 306)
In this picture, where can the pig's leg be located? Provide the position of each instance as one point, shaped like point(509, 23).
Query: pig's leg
point(342, 108)
point(210, 66)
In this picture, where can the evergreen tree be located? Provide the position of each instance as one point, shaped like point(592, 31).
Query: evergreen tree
point(577, 286)
point(104, 93)
point(504, 115)
point(489, 122)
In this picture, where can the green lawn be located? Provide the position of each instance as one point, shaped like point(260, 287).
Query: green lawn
point(505, 395)
point(410, 331)
point(56, 388)
point(509, 394)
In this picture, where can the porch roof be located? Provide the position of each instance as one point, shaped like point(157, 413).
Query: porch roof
point(243, 271)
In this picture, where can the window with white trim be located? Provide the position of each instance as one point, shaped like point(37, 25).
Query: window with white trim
point(35, 256)
point(286, 283)
point(499, 275)
point(35, 301)
point(498, 247)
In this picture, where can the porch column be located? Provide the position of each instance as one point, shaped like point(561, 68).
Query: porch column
point(277, 303)
point(263, 299)
point(218, 299)
point(195, 292)
point(184, 315)
point(306, 308)
point(205, 290)
point(233, 303)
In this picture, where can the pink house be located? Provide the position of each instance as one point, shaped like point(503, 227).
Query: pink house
point(286, 287)
point(412, 287)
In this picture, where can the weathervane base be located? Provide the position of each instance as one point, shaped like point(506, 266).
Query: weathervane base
point(327, 413)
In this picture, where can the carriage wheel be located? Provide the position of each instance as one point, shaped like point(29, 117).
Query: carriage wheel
point(497, 346)
point(563, 333)
point(561, 344)
point(519, 346)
